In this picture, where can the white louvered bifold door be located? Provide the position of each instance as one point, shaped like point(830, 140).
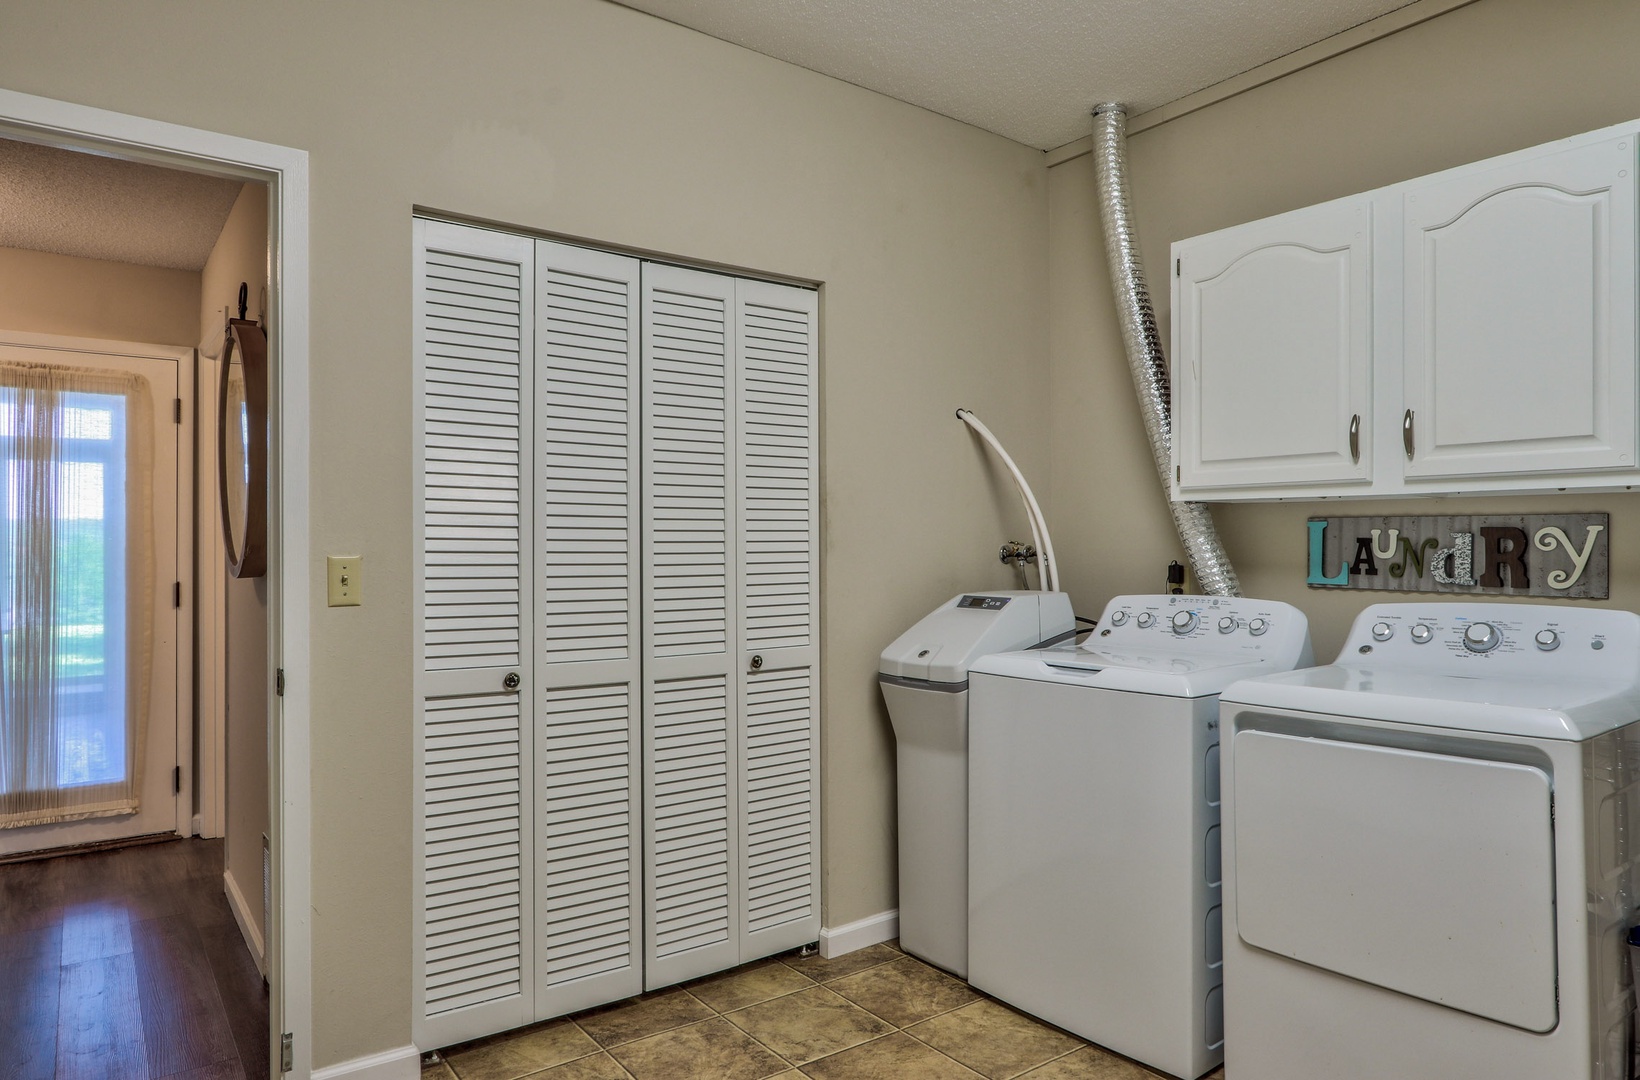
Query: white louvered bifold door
point(474, 966)
point(778, 678)
point(690, 697)
point(587, 599)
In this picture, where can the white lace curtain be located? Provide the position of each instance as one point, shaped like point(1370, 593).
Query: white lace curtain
point(76, 591)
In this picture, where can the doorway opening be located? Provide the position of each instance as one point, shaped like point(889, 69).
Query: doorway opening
point(153, 829)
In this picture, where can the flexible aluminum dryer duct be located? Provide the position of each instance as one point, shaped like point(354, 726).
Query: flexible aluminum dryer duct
point(1146, 362)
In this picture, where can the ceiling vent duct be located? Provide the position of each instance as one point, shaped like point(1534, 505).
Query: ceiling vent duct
point(1146, 361)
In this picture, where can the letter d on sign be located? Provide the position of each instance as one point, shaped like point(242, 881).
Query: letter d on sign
point(1318, 534)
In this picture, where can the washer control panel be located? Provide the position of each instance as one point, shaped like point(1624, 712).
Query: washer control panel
point(1200, 625)
point(1522, 637)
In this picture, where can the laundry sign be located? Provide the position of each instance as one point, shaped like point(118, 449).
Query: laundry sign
point(1561, 555)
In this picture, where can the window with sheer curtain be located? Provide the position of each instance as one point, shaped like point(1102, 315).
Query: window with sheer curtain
point(76, 591)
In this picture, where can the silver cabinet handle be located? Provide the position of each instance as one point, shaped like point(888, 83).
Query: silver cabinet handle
point(510, 681)
point(1355, 438)
point(1406, 434)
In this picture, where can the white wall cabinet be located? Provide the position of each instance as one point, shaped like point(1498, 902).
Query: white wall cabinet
point(1480, 322)
point(617, 593)
point(1275, 312)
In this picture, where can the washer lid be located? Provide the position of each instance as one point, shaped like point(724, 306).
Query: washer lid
point(1537, 708)
point(1165, 675)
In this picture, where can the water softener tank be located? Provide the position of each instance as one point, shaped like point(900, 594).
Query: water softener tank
point(924, 677)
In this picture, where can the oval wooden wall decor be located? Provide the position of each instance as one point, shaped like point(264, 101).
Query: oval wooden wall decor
point(242, 448)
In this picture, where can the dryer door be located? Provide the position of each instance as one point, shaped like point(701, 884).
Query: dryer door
point(1422, 873)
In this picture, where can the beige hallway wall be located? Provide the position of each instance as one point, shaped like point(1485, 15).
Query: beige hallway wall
point(241, 255)
point(582, 118)
point(43, 293)
point(1492, 77)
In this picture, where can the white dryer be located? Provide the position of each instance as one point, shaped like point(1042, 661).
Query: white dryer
point(1431, 850)
point(1093, 877)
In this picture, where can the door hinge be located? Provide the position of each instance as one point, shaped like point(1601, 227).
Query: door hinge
point(176, 780)
point(1178, 267)
point(279, 682)
point(1178, 474)
point(286, 1053)
point(177, 415)
point(176, 594)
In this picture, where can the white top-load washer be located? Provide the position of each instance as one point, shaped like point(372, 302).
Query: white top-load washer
point(1431, 850)
point(924, 679)
point(1093, 821)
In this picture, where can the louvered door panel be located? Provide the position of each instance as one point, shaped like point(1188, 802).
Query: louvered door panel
point(474, 965)
point(778, 528)
point(588, 770)
point(691, 752)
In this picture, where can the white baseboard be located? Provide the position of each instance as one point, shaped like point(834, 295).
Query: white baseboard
point(247, 925)
point(400, 1063)
point(860, 934)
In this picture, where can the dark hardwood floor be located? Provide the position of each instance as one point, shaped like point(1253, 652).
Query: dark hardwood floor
point(127, 964)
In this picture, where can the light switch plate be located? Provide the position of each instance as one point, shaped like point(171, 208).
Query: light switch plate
point(346, 580)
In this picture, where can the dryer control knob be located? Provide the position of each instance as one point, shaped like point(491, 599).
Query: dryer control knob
point(1117, 618)
point(1227, 625)
point(1185, 621)
point(1422, 634)
point(1145, 619)
point(1382, 631)
point(1547, 640)
point(1481, 637)
point(1258, 626)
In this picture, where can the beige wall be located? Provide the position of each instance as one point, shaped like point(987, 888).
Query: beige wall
point(1492, 77)
point(241, 255)
point(59, 294)
point(584, 118)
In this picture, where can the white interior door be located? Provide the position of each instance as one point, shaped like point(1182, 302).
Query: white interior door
point(96, 742)
point(588, 803)
point(474, 922)
point(777, 455)
point(691, 759)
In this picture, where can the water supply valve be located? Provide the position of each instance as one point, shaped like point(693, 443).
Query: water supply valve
point(1015, 552)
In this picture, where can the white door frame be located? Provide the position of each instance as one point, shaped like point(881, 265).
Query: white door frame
point(285, 171)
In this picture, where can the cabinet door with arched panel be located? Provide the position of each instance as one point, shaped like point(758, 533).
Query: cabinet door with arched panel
point(1519, 315)
point(1272, 333)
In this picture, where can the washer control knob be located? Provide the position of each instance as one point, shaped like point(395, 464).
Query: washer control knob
point(1382, 631)
point(1117, 618)
point(1227, 625)
point(1145, 619)
point(1547, 640)
point(1185, 621)
point(1481, 637)
point(1422, 633)
point(1258, 626)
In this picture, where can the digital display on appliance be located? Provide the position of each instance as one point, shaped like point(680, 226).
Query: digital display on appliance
point(988, 603)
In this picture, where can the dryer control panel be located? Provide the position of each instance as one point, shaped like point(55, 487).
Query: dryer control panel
point(1230, 627)
point(1523, 638)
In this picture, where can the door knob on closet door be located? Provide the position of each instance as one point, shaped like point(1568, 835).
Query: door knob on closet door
point(510, 681)
point(757, 663)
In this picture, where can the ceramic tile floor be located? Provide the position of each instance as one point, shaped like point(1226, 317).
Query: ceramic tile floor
point(876, 1014)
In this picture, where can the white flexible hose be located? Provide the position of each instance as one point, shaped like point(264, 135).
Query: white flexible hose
point(1048, 567)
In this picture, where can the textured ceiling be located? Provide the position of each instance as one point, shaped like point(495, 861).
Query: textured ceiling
point(1031, 70)
point(94, 207)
